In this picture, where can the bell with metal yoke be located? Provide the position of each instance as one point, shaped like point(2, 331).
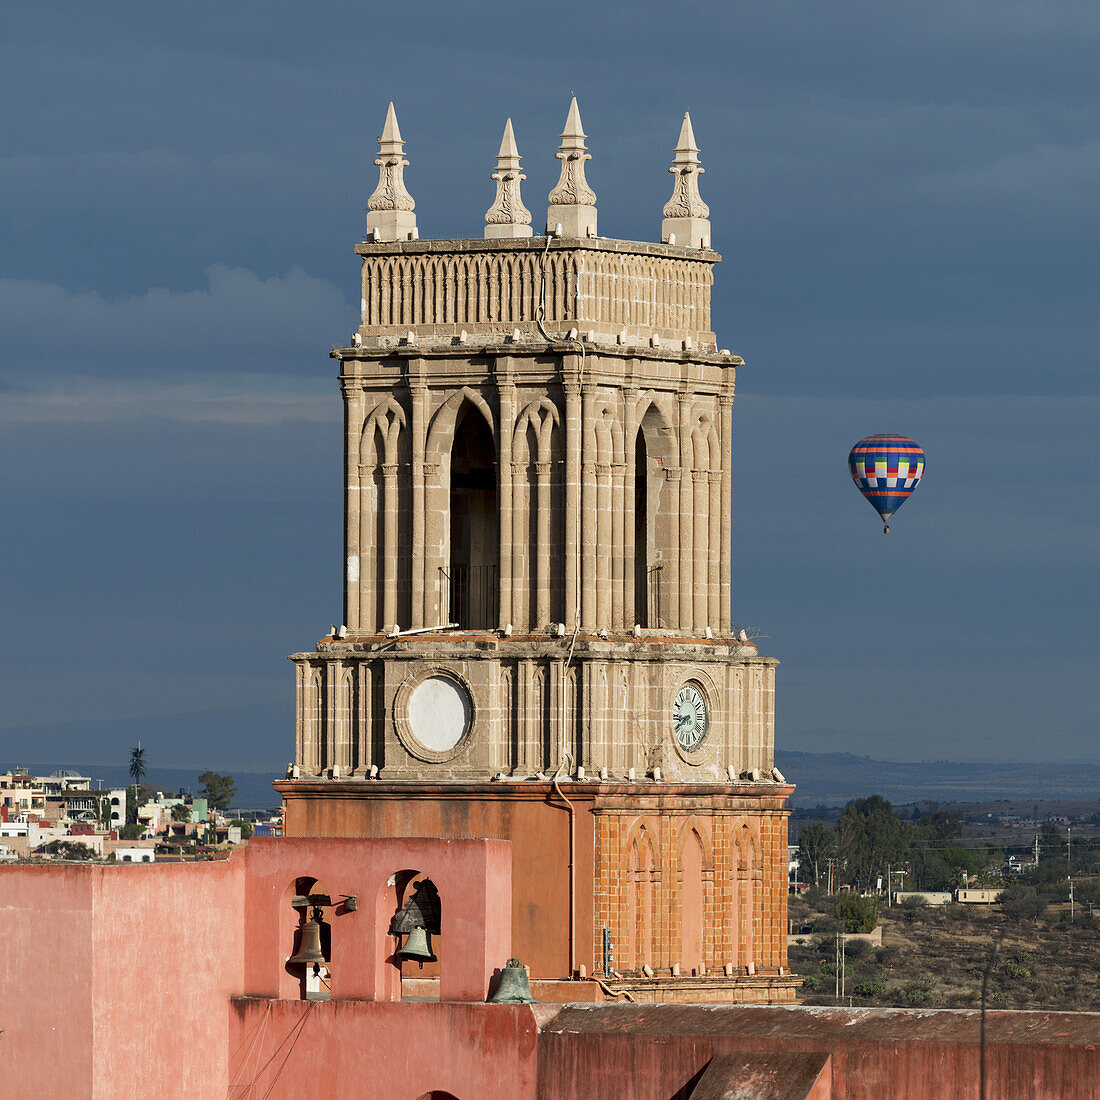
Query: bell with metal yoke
point(309, 948)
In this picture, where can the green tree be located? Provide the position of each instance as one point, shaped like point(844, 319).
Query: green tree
point(181, 812)
point(870, 837)
point(244, 826)
point(137, 774)
point(70, 849)
point(218, 790)
point(816, 844)
point(137, 764)
point(131, 831)
point(856, 912)
point(1023, 903)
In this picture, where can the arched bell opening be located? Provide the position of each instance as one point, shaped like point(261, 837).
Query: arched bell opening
point(416, 928)
point(310, 960)
point(437, 1094)
point(474, 524)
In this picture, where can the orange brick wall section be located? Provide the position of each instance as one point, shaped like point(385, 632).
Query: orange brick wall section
point(695, 886)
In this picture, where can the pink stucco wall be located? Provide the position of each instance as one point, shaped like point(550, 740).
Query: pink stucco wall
point(170, 980)
point(46, 979)
point(295, 1049)
point(105, 964)
point(114, 980)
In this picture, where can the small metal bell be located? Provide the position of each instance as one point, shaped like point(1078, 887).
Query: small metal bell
point(513, 989)
point(309, 949)
point(417, 946)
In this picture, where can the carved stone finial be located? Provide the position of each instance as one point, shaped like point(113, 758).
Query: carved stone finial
point(572, 202)
point(390, 214)
point(686, 215)
point(508, 217)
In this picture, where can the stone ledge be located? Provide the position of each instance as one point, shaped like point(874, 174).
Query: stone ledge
point(535, 244)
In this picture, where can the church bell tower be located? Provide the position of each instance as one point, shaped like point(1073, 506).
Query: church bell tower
point(537, 641)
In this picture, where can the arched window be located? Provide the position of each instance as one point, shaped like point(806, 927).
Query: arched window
point(474, 526)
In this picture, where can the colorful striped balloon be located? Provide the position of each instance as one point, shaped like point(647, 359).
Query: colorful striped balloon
point(886, 470)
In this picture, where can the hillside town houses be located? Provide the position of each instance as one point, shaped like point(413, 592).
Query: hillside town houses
point(63, 816)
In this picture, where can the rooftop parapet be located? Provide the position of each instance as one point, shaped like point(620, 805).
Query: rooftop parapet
point(610, 291)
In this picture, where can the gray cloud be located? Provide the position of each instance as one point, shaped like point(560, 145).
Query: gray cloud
point(237, 319)
point(904, 197)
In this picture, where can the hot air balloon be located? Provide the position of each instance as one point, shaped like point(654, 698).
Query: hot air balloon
point(886, 470)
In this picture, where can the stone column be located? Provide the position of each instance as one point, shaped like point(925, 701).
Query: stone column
point(714, 584)
point(300, 682)
point(542, 573)
point(329, 696)
point(506, 393)
point(588, 533)
point(370, 565)
point(419, 408)
point(520, 549)
point(683, 596)
point(389, 552)
point(725, 403)
point(346, 723)
point(604, 543)
point(353, 428)
point(701, 530)
point(361, 726)
point(571, 385)
point(618, 548)
point(630, 442)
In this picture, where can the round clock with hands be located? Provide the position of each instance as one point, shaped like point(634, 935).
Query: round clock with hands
point(689, 717)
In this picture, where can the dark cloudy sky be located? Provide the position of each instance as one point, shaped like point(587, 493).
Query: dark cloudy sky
point(905, 197)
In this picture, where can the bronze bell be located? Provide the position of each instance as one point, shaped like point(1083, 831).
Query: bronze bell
point(309, 950)
point(417, 946)
point(513, 988)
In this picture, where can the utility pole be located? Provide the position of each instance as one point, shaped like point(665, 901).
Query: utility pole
point(1036, 851)
point(1069, 867)
point(839, 983)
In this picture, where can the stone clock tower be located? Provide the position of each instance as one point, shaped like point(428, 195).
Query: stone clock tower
point(538, 641)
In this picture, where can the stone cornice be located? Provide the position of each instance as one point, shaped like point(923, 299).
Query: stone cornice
point(602, 796)
point(448, 246)
point(531, 348)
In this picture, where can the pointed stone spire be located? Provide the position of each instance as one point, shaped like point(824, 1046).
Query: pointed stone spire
point(686, 215)
point(572, 202)
point(390, 214)
point(508, 217)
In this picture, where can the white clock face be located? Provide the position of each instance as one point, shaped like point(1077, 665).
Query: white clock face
point(689, 717)
point(439, 713)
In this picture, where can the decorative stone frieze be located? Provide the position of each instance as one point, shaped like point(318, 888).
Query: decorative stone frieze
point(452, 292)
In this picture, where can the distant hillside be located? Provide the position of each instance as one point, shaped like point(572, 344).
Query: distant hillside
point(837, 778)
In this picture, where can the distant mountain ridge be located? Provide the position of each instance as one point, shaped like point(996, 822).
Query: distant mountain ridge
point(836, 778)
